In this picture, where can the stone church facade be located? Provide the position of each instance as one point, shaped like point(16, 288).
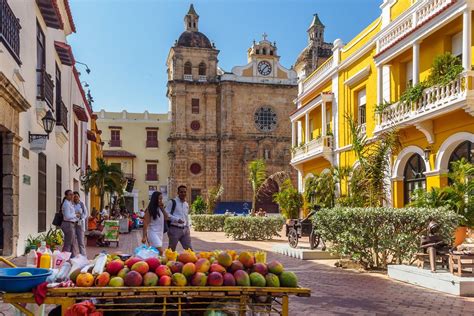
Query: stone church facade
point(220, 121)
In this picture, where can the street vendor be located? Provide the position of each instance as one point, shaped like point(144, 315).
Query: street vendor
point(94, 229)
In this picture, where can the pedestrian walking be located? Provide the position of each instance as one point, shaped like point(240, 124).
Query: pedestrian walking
point(70, 219)
point(80, 228)
point(154, 221)
point(177, 210)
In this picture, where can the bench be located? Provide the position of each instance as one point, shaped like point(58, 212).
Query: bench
point(458, 262)
point(424, 258)
point(91, 241)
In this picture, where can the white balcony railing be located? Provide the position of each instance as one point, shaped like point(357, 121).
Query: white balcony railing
point(313, 148)
point(202, 78)
point(421, 12)
point(188, 77)
point(316, 75)
point(433, 100)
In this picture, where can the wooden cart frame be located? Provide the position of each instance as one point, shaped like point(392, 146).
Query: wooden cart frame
point(163, 299)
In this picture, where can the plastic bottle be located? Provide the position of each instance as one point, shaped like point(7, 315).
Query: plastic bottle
point(57, 261)
point(45, 260)
point(31, 258)
point(39, 252)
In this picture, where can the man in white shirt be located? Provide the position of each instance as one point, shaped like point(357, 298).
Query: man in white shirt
point(177, 210)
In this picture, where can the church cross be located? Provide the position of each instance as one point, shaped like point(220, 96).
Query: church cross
point(264, 35)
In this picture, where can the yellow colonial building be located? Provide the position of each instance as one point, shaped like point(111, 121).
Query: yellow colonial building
point(138, 144)
point(366, 78)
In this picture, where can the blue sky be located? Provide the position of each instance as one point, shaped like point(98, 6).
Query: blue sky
point(126, 42)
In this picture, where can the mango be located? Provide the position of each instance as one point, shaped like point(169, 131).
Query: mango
point(272, 280)
point(141, 267)
point(260, 268)
point(203, 265)
point(236, 265)
point(150, 279)
point(288, 279)
point(163, 271)
point(102, 279)
point(215, 279)
point(229, 279)
point(165, 280)
point(199, 279)
point(241, 278)
point(275, 267)
point(256, 279)
point(188, 269)
point(153, 263)
point(116, 282)
point(247, 259)
point(215, 267)
point(179, 279)
point(133, 278)
point(224, 259)
point(114, 266)
point(122, 273)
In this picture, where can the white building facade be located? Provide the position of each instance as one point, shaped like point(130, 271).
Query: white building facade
point(38, 76)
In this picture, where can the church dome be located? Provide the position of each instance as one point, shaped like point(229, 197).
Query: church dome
point(194, 39)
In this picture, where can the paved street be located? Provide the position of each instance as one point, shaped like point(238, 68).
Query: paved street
point(334, 291)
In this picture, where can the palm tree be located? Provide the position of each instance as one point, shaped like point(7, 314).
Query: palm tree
point(257, 175)
point(213, 195)
point(374, 162)
point(106, 178)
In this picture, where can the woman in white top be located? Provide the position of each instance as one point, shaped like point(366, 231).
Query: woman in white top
point(153, 222)
point(70, 221)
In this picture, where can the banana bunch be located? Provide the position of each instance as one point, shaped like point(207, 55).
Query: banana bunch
point(260, 256)
point(171, 255)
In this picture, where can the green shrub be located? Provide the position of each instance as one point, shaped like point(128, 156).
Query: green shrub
point(198, 206)
point(208, 223)
point(375, 237)
point(253, 227)
point(289, 200)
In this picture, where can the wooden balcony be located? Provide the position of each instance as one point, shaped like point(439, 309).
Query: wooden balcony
point(10, 30)
point(61, 115)
point(44, 87)
point(435, 101)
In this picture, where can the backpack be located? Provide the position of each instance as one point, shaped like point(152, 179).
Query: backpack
point(167, 223)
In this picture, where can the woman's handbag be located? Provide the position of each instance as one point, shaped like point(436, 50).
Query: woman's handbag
point(58, 219)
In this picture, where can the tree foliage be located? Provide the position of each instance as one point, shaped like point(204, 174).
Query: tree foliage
point(106, 178)
point(213, 195)
point(457, 196)
point(374, 164)
point(289, 200)
point(257, 174)
point(198, 206)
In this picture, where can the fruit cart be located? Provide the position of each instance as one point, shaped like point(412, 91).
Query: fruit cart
point(171, 300)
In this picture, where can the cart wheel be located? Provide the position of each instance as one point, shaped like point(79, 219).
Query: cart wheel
point(293, 238)
point(314, 240)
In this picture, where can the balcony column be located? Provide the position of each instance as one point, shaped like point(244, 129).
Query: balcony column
point(466, 39)
point(416, 63)
point(294, 137)
point(306, 128)
point(379, 84)
point(323, 119)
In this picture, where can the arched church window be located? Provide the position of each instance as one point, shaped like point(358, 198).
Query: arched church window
point(414, 176)
point(264, 51)
point(188, 68)
point(271, 52)
point(257, 51)
point(464, 150)
point(202, 69)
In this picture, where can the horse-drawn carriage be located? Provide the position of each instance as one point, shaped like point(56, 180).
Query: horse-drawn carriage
point(297, 228)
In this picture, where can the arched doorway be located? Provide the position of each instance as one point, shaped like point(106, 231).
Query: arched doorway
point(464, 150)
point(414, 176)
point(265, 197)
